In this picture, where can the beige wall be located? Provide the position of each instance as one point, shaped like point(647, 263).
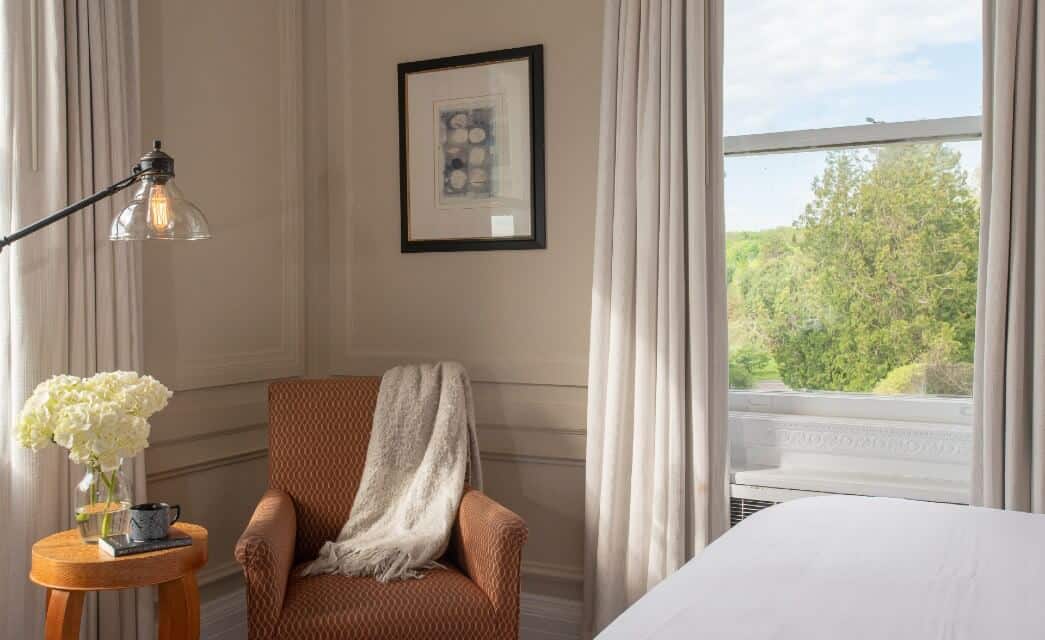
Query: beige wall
point(517, 319)
point(282, 118)
point(223, 87)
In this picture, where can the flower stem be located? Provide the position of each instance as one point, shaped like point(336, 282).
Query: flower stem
point(110, 485)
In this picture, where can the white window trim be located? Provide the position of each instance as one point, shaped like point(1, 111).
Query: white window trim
point(955, 411)
point(901, 446)
point(861, 135)
point(916, 447)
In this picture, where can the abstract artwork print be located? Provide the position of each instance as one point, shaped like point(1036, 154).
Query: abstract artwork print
point(469, 151)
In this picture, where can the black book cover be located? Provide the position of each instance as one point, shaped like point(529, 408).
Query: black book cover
point(122, 545)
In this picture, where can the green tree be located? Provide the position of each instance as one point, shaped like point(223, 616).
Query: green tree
point(937, 372)
point(745, 362)
point(882, 267)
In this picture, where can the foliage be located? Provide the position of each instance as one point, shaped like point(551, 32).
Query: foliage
point(878, 274)
point(944, 379)
point(936, 373)
point(744, 365)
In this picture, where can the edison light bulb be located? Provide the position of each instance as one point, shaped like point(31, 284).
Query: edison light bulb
point(159, 208)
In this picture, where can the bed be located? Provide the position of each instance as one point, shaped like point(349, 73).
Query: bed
point(844, 567)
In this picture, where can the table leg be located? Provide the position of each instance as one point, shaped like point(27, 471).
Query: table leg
point(64, 610)
point(180, 609)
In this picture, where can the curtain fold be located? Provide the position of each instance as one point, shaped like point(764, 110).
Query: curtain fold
point(34, 489)
point(69, 298)
point(1008, 468)
point(104, 287)
point(656, 468)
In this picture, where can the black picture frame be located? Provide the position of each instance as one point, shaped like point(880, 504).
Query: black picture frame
point(534, 54)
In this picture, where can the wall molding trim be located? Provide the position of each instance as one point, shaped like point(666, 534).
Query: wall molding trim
point(551, 571)
point(217, 433)
point(199, 413)
point(530, 459)
point(213, 462)
point(512, 370)
point(205, 465)
point(287, 359)
point(553, 431)
point(549, 445)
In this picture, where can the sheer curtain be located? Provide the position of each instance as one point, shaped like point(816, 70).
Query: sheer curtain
point(69, 299)
point(1009, 392)
point(102, 95)
point(34, 489)
point(657, 380)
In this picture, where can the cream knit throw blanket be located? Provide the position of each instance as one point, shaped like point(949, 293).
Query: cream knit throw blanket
point(422, 447)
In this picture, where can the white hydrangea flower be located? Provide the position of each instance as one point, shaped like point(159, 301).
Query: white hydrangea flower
point(35, 429)
point(100, 420)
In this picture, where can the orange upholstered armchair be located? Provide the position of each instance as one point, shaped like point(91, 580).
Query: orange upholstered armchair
point(318, 435)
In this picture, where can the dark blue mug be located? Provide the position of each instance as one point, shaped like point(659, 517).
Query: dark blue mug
point(151, 520)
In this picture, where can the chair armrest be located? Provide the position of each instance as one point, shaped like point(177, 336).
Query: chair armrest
point(488, 541)
point(266, 551)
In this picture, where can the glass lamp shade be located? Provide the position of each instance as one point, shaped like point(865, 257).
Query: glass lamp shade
point(158, 211)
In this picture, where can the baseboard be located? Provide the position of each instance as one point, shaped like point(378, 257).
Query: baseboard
point(540, 617)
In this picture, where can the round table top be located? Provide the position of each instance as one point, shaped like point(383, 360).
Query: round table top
point(64, 561)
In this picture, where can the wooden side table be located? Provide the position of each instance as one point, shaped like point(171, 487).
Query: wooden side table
point(69, 568)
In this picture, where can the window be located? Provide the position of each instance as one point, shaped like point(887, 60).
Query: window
point(852, 194)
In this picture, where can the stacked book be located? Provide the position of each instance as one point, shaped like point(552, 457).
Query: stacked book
point(122, 545)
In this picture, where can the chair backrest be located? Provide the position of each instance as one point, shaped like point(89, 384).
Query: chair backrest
point(318, 436)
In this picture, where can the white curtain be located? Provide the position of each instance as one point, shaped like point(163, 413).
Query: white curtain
point(1009, 391)
point(102, 95)
point(69, 298)
point(658, 372)
point(34, 489)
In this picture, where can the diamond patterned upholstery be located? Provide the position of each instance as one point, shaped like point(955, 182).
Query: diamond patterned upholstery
point(266, 551)
point(444, 604)
point(318, 435)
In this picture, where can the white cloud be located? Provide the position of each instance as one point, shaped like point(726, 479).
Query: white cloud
point(780, 52)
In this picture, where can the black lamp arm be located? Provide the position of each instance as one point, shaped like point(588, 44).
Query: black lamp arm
point(71, 209)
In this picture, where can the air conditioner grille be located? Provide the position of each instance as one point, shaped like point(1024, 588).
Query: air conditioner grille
point(740, 508)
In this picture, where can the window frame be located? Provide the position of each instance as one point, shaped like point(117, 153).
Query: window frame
point(957, 129)
point(887, 429)
point(950, 129)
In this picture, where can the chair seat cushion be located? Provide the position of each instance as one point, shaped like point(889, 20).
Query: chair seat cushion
point(444, 604)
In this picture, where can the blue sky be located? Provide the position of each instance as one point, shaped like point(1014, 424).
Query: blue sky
point(801, 64)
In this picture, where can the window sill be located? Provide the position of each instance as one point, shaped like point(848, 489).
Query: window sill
point(851, 483)
point(908, 447)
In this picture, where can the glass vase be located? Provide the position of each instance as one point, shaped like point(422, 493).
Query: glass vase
point(103, 501)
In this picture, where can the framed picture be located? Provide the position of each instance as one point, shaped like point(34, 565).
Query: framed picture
point(471, 151)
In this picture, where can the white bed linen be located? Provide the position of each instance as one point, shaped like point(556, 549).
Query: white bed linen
point(842, 567)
